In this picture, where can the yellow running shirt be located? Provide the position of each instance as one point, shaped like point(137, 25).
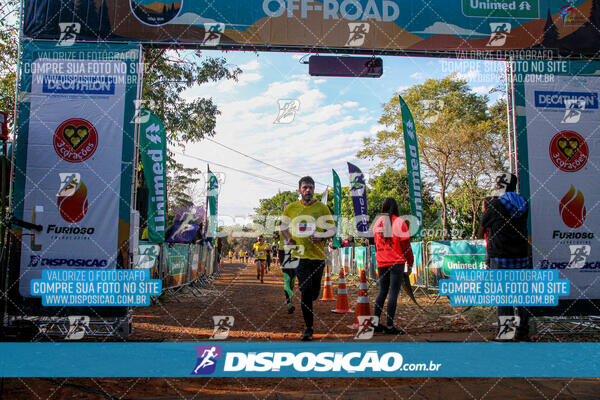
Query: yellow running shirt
point(260, 250)
point(304, 221)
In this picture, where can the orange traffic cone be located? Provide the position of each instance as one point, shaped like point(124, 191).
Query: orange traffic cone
point(362, 303)
point(327, 288)
point(343, 305)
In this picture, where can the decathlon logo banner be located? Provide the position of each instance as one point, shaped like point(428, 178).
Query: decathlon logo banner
point(559, 99)
point(74, 164)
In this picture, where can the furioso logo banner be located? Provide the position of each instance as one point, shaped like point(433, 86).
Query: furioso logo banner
point(153, 151)
point(413, 167)
point(557, 122)
point(72, 200)
point(75, 149)
point(572, 208)
point(358, 190)
point(457, 27)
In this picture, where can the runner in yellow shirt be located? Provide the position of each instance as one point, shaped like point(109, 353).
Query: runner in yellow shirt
point(230, 256)
point(260, 249)
point(307, 223)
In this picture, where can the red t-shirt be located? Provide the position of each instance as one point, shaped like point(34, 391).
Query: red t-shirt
point(395, 249)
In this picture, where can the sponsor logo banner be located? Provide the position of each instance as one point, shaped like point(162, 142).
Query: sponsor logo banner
point(268, 359)
point(563, 221)
point(569, 151)
point(74, 170)
point(558, 99)
point(501, 8)
point(76, 84)
point(462, 261)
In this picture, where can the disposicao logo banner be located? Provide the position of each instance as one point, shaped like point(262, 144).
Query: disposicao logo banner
point(326, 359)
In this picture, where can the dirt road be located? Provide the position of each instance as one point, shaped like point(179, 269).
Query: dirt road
point(260, 315)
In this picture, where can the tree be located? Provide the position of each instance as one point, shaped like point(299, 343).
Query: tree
point(168, 74)
point(484, 155)
point(179, 182)
point(9, 36)
point(441, 135)
point(393, 183)
point(272, 207)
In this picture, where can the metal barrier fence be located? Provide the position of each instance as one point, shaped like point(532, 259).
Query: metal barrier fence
point(179, 266)
point(433, 260)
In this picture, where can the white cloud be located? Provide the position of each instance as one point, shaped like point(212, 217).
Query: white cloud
point(470, 75)
point(442, 28)
point(483, 89)
point(190, 18)
point(327, 132)
point(417, 75)
point(243, 80)
point(250, 65)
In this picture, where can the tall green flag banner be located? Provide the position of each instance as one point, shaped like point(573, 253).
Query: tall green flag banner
point(153, 151)
point(213, 204)
point(337, 208)
point(413, 167)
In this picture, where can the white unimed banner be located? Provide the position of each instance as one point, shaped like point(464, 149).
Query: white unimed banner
point(563, 120)
point(74, 153)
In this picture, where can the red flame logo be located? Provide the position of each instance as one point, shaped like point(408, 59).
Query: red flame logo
point(72, 202)
point(572, 208)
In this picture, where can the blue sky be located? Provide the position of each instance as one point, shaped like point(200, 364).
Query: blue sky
point(334, 116)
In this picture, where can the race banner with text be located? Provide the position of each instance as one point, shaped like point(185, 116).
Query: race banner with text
point(413, 168)
point(306, 360)
point(358, 191)
point(521, 28)
point(75, 148)
point(153, 152)
point(558, 114)
point(337, 208)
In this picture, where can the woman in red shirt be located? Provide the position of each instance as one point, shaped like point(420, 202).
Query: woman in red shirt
point(392, 244)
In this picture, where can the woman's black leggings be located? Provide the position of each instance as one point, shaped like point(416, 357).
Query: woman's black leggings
point(390, 280)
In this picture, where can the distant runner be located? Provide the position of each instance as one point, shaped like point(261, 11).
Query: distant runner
point(260, 254)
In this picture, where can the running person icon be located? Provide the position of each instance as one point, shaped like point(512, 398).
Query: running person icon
point(207, 360)
point(224, 324)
